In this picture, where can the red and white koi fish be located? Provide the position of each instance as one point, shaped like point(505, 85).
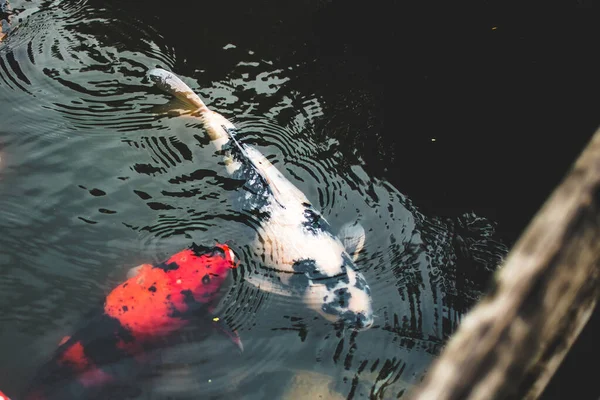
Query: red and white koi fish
point(155, 302)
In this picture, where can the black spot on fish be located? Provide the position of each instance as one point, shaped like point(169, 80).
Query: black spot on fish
point(255, 194)
point(337, 306)
point(188, 297)
point(353, 320)
point(200, 250)
point(305, 266)
point(347, 261)
point(342, 297)
point(314, 221)
point(152, 288)
point(361, 284)
point(328, 308)
point(167, 267)
point(361, 320)
point(298, 283)
point(217, 251)
point(312, 272)
point(100, 338)
point(125, 285)
point(205, 279)
point(125, 308)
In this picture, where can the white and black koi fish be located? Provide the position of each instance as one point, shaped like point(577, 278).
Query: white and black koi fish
point(292, 237)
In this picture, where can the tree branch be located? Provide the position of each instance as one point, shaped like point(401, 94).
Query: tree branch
point(512, 342)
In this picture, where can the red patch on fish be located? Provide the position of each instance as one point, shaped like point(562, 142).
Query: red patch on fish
point(90, 375)
point(141, 311)
point(149, 303)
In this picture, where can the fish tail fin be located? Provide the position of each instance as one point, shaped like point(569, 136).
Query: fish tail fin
point(64, 340)
point(224, 329)
point(219, 129)
point(171, 84)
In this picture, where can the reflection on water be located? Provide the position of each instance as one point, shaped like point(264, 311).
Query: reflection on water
point(96, 178)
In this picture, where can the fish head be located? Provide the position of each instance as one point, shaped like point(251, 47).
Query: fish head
point(200, 270)
point(342, 298)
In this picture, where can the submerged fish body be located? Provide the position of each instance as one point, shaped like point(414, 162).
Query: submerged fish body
point(136, 316)
point(292, 237)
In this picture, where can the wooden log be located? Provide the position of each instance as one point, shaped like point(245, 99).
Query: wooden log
point(511, 343)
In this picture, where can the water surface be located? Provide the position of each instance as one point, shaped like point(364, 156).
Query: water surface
point(95, 178)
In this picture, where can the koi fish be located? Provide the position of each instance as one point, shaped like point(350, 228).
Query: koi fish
point(5, 13)
point(152, 304)
point(10, 18)
point(3, 396)
point(292, 239)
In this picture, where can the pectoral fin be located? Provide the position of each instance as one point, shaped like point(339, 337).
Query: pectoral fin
point(64, 340)
point(224, 329)
point(136, 270)
point(267, 284)
point(352, 235)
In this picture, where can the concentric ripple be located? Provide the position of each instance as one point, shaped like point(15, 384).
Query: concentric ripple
point(96, 177)
point(92, 81)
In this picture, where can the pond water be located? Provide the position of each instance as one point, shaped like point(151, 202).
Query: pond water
point(95, 178)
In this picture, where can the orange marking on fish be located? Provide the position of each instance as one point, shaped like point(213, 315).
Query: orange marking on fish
point(90, 374)
point(141, 311)
point(75, 356)
point(146, 303)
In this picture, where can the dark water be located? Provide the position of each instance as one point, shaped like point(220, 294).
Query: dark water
point(93, 180)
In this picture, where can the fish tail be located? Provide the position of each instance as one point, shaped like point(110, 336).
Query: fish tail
point(171, 84)
point(219, 129)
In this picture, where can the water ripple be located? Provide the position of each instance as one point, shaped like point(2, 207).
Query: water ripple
point(95, 178)
point(95, 81)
